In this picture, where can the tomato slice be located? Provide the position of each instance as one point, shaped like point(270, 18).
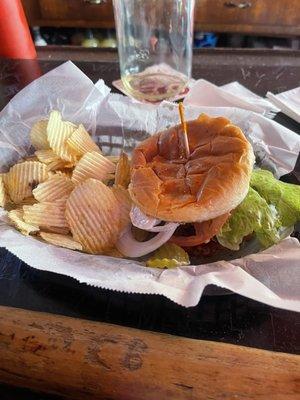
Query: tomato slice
point(204, 232)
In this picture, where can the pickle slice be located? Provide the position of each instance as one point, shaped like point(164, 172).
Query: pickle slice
point(168, 255)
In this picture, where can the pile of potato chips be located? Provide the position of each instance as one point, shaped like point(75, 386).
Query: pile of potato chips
point(68, 193)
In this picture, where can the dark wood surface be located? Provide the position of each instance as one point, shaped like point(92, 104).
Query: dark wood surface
point(232, 318)
point(259, 70)
point(257, 17)
point(9, 392)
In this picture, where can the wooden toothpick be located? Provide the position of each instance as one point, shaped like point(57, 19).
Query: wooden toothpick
point(184, 128)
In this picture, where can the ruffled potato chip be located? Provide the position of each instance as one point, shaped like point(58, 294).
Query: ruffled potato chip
point(46, 156)
point(59, 165)
point(113, 159)
point(55, 188)
point(123, 197)
point(23, 178)
point(29, 201)
point(16, 217)
point(55, 229)
point(61, 240)
point(58, 132)
point(29, 158)
point(46, 214)
point(122, 176)
point(3, 193)
point(38, 135)
point(65, 172)
point(80, 142)
point(54, 163)
point(92, 165)
point(93, 214)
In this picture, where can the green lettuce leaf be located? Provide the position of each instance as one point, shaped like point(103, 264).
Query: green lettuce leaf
point(253, 215)
point(269, 210)
point(284, 196)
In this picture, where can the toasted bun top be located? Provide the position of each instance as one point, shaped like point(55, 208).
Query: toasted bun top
point(211, 182)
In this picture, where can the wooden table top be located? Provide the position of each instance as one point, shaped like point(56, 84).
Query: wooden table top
point(227, 318)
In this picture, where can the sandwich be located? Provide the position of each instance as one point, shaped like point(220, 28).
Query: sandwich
point(209, 191)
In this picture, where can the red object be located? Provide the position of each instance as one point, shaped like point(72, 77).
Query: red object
point(15, 37)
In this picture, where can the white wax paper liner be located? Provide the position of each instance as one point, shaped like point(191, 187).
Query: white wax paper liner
point(271, 277)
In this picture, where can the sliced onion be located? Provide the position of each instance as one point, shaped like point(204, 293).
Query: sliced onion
point(130, 247)
point(141, 220)
point(164, 228)
point(148, 223)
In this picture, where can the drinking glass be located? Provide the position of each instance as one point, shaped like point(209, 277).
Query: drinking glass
point(155, 46)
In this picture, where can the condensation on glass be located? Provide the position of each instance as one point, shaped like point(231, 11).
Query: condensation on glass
point(155, 46)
